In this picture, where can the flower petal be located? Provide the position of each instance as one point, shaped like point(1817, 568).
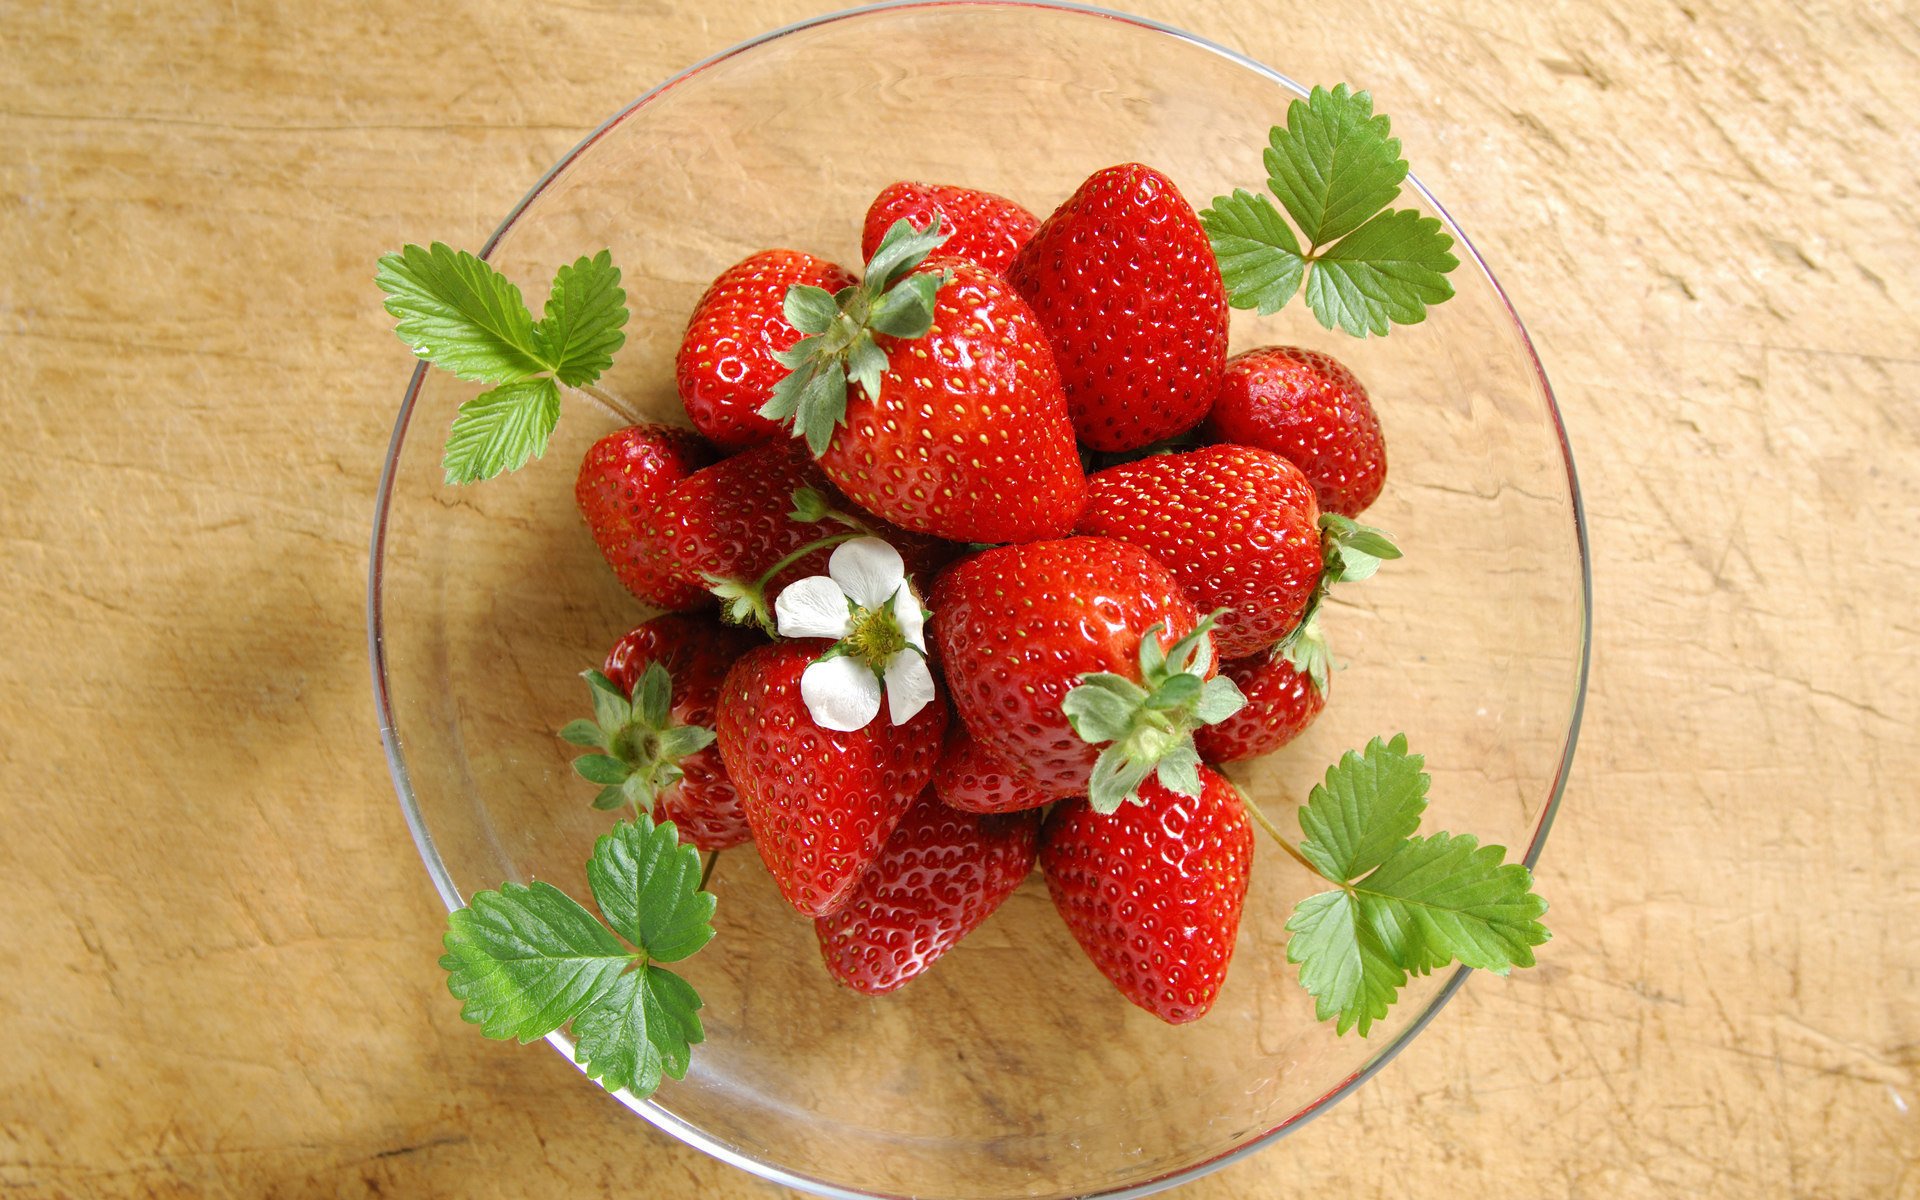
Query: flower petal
point(868, 570)
point(813, 607)
point(909, 686)
point(841, 693)
point(912, 622)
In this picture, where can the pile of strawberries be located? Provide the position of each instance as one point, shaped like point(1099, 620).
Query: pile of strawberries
point(978, 559)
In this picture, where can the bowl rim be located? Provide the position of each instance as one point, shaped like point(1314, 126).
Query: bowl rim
point(442, 878)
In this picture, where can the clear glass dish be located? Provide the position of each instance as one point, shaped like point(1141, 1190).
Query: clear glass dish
point(1013, 1068)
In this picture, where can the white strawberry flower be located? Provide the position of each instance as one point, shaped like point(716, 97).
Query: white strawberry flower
point(879, 633)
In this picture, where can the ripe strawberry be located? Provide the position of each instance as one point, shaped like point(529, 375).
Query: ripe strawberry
point(1053, 650)
point(1310, 410)
point(821, 803)
point(973, 779)
point(1238, 527)
point(726, 367)
point(622, 482)
point(930, 396)
point(988, 230)
point(939, 876)
point(1124, 281)
point(1153, 892)
point(670, 669)
point(1281, 702)
point(732, 522)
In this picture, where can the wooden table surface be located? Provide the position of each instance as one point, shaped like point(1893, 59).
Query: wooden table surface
point(217, 946)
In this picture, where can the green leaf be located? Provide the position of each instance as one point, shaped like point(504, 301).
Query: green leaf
point(1117, 776)
point(460, 314)
point(586, 313)
point(653, 699)
point(809, 309)
point(1306, 649)
point(1353, 551)
point(602, 769)
point(1465, 901)
point(583, 733)
point(907, 310)
point(1386, 272)
point(1179, 769)
point(867, 365)
point(901, 250)
point(809, 505)
point(1334, 165)
point(821, 407)
point(1219, 699)
point(648, 885)
point(1178, 691)
point(1368, 805)
point(643, 1029)
point(525, 960)
point(610, 798)
point(1342, 962)
point(681, 740)
point(500, 430)
point(1102, 705)
point(610, 705)
point(1260, 260)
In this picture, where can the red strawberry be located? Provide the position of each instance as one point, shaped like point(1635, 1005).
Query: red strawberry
point(731, 522)
point(988, 230)
point(683, 782)
point(973, 779)
point(622, 482)
point(1048, 658)
point(1238, 527)
point(930, 396)
point(821, 804)
point(1153, 892)
point(725, 368)
point(1281, 702)
point(1310, 410)
point(939, 876)
point(1124, 281)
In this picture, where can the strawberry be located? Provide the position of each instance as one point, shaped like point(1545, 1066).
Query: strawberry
point(1310, 410)
point(727, 526)
point(987, 230)
point(726, 367)
point(973, 779)
point(938, 877)
point(1124, 281)
point(656, 751)
point(1239, 528)
point(622, 482)
point(820, 803)
point(1053, 650)
point(1153, 892)
point(955, 424)
point(1282, 700)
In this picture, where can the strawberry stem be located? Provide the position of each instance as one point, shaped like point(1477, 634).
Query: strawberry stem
point(612, 403)
point(1273, 831)
point(706, 872)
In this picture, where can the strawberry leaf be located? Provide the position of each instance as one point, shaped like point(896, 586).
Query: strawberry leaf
point(586, 313)
point(501, 429)
point(526, 960)
point(1333, 166)
point(1384, 273)
point(1260, 260)
point(460, 314)
point(1402, 904)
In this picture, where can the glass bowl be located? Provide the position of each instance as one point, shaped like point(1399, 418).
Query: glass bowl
point(1012, 1068)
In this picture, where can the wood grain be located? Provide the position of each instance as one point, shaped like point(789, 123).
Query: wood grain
point(217, 971)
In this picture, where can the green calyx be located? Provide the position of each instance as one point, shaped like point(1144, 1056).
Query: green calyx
point(1349, 552)
point(839, 327)
point(637, 746)
point(744, 602)
point(1147, 727)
